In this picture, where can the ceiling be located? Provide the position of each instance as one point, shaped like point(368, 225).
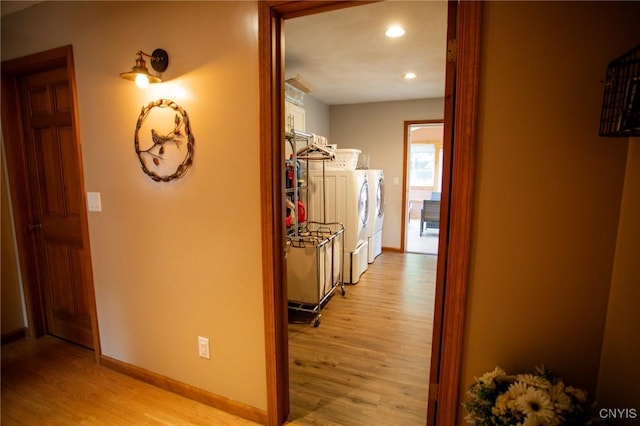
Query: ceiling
point(345, 56)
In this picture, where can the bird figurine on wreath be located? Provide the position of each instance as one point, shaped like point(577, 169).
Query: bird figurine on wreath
point(161, 148)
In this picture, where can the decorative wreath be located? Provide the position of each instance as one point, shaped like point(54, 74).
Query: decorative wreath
point(165, 151)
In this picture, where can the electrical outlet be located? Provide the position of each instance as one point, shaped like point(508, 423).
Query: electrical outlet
point(203, 347)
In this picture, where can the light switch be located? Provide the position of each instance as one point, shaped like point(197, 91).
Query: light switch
point(396, 180)
point(94, 202)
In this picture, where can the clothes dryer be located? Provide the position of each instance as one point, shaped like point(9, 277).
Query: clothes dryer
point(376, 213)
point(343, 196)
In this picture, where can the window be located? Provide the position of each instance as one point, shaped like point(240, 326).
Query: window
point(423, 164)
point(425, 156)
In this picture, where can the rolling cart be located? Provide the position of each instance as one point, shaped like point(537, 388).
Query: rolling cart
point(314, 250)
point(314, 267)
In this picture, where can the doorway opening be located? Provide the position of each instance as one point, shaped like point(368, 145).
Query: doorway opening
point(453, 263)
point(335, 374)
point(424, 151)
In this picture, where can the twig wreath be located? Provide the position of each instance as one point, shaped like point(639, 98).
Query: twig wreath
point(165, 148)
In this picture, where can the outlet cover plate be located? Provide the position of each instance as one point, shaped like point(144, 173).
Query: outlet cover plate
point(203, 347)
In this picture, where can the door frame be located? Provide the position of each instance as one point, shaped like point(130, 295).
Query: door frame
point(450, 305)
point(14, 145)
point(451, 285)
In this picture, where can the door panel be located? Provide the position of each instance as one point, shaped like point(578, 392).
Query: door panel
point(55, 186)
point(58, 259)
point(67, 310)
point(70, 175)
point(46, 146)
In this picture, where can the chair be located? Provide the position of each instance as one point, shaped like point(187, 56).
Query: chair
point(429, 215)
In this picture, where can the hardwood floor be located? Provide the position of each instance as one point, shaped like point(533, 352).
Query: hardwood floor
point(51, 382)
point(368, 361)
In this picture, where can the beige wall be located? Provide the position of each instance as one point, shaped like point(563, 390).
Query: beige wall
point(548, 188)
point(377, 129)
point(619, 379)
point(171, 261)
point(317, 116)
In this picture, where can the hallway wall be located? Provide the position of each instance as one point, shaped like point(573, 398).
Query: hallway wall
point(548, 189)
point(171, 261)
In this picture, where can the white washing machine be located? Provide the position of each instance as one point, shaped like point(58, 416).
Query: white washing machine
point(346, 201)
point(376, 213)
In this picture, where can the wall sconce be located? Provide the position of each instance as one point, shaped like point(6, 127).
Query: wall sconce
point(140, 74)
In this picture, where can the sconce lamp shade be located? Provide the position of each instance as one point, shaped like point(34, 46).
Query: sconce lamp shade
point(139, 72)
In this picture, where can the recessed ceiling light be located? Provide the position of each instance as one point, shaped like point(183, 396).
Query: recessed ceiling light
point(394, 31)
point(409, 75)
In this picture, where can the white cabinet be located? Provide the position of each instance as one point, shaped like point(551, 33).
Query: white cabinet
point(293, 117)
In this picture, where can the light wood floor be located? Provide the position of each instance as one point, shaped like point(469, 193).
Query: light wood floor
point(368, 361)
point(50, 382)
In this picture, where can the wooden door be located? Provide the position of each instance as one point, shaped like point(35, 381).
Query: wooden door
point(54, 183)
point(52, 222)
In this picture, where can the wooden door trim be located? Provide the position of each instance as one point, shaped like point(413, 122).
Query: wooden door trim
point(272, 232)
point(443, 241)
point(271, 16)
point(460, 211)
point(14, 144)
